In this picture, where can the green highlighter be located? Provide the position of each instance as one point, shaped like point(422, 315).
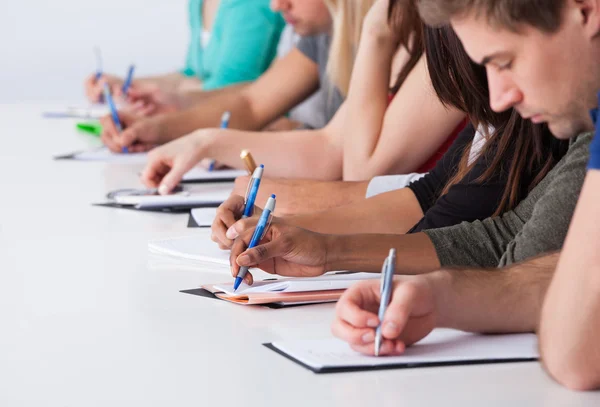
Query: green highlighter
point(90, 128)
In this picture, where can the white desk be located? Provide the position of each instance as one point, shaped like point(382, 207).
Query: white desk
point(88, 320)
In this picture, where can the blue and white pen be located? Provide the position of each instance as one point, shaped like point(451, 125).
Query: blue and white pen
point(259, 233)
point(252, 191)
point(387, 277)
point(113, 111)
point(128, 80)
point(224, 124)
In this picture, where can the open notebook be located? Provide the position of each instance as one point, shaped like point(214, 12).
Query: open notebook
point(202, 217)
point(103, 154)
point(288, 291)
point(78, 112)
point(196, 174)
point(442, 347)
point(201, 195)
point(198, 248)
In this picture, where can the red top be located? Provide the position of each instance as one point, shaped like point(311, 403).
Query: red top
point(430, 163)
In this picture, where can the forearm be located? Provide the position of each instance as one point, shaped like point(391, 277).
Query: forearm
point(366, 252)
point(307, 154)
point(393, 212)
point(570, 325)
point(493, 300)
point(190, 98)
point(367, 102)
point(168, 82)
point(207, 114)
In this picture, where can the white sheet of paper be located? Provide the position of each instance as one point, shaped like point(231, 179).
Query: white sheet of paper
point(202, 174)
point(201, 195)
point(292, 285)
point(104, 154)
point(78, 112)
point(198, 247)
point(441, 346)
point(204, 216)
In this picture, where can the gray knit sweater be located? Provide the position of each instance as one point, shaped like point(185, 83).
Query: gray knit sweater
point(537, 225)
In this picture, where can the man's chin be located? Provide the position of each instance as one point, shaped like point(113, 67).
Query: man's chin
point(564, 130)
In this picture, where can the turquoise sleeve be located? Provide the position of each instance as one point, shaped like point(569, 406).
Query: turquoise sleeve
point(243, 43)
point(194, 52)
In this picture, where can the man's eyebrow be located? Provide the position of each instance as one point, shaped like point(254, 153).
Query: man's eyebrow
point(487, 59)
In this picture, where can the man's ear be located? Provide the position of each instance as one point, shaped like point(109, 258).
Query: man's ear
point(590, 14)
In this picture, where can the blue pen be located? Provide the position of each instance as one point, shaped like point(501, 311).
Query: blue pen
point(113, 111)
point(224, 124)
point(128, 79)
point(252, 191)
point(387, 277)
point(99, 72)
point(259, 233)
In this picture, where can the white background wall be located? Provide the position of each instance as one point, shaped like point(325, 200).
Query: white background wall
point(46, 46)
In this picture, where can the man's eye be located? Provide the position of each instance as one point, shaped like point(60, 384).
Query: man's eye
point(506, 66)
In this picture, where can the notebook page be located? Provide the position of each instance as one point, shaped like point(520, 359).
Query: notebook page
point(441, 346)
point(198, 195)
point(202, 174)
point(204, 216)
point(291, 285)
point(105, 155)
point(198, 247)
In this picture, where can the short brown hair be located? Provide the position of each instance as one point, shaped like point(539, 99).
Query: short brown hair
point(545, 15)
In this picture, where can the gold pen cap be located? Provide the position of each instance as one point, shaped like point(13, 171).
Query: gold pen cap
point(248, 161)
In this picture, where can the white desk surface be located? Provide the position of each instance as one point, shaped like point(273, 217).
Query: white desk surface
point(88, 319)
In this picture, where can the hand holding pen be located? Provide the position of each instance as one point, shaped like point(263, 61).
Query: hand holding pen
point(224, 124)
point(387, 280)
point(259, 233)
point(236, 208)
point(113, 112)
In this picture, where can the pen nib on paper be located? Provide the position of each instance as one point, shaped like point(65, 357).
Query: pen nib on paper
point(237, 283)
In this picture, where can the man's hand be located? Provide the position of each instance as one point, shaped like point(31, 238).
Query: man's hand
point(138, 134)
point(285, 250)
point(410, 317)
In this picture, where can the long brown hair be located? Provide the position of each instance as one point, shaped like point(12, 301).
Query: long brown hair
point(529, 150)
point(403, 17)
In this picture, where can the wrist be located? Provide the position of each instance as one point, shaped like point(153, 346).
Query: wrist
point(332, 252)
point(440, 283)
point(203, 141)
point(381, 37)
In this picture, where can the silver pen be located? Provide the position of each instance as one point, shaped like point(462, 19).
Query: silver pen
point(387, 277)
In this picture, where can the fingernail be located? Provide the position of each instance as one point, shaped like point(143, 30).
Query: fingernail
point(231, 233)
point(163, 189)
point(243, 260)
point(368, 337)
point(372, 323)
point(390, 329)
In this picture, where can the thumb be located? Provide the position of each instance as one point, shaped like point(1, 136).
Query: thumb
point(261, 253)
point(241, 226)
point(173, 177)
point(128, 136)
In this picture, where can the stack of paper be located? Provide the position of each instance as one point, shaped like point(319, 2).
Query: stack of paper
point(198, 248)
point(442, 347)
point(326, 288)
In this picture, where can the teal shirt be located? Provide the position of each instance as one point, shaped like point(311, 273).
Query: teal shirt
point(243, 42)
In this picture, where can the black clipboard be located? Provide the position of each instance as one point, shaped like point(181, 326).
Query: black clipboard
point(348, 369)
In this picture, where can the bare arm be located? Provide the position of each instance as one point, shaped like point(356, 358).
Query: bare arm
point(570, 325)
point(484, 301)
point(304, 196)
point(494, 300)
point(416, 254)
point(393, 212)
point(289, 81)
point(381, 139)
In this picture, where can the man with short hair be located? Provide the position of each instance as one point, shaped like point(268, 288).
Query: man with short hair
point(542, 59)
